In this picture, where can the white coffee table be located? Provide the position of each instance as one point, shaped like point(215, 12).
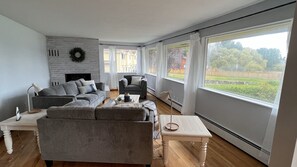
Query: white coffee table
point(191, 128)
point(135, 98)
point(27, 123)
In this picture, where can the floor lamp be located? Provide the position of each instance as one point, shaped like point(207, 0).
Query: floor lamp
point(36, 90)
point(165, 95)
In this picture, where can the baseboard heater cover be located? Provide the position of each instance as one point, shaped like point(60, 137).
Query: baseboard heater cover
point(230, 132)
point(257, 149)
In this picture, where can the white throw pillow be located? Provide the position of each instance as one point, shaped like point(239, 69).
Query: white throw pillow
point(135, 80)
point(90, 82)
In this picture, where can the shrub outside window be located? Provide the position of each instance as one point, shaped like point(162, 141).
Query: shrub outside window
point(176, 60)
point(248, 63)
point(152, 61)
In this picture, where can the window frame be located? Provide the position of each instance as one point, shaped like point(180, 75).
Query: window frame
point(104, 60)
point(147, 59)
point(166, 56)
point(234, 95)
point(115, 57)
point(116, 60)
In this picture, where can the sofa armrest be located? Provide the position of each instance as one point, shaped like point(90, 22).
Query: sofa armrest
point(143, 87)
point(122, 84)
point(44, 102)
point(151, 117)
point(143, 83)
point(100, 86)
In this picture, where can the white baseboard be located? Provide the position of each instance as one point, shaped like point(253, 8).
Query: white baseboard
point(175, 104)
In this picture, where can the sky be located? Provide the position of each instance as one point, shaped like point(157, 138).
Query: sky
point(277, 40)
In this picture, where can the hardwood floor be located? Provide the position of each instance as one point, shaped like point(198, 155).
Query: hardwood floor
point(220, 153)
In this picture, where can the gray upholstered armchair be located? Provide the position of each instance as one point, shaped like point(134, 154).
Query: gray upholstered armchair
point(133, 84)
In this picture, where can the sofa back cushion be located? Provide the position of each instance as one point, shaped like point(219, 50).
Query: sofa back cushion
point(129, 77)
point(70, 88)
point(47, 92)
point(70, 112)
point(79, 82)
point(121, 114)
point(59, 90)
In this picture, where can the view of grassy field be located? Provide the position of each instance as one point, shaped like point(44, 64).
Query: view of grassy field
point(176, 76)
point(257, 88)
point(261, 89)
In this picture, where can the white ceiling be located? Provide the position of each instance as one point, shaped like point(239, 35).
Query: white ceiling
point(133, 21)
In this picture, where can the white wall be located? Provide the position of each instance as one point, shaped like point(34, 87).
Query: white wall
point(285, 131)
point(23, 62)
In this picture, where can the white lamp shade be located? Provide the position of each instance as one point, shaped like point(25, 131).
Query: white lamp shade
point(36, 88)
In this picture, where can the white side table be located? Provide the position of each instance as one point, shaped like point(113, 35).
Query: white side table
point(191, 128)
point(27, 123)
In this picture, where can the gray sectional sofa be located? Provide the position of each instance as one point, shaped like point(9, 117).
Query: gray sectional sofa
point(102, 134)
point(69, 94)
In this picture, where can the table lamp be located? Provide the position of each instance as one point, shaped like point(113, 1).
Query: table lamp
point(36, 90)
point(165, 95)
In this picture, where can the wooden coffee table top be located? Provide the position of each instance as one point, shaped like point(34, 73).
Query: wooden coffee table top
point(26, 120)
point(189, 126)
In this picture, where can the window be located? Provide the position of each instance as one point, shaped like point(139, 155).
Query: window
point(248, 63)
point(152, 61)
point(106, 58)
point(126, 60)
point(176, 60)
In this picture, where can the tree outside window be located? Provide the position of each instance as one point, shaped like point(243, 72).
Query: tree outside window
point(176, 60)
point(251, 66)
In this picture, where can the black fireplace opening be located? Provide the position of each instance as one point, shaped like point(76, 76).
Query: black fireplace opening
point(72, 77)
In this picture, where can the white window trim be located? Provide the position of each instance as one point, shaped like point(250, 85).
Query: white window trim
point(232, 95)
point(151, 74)
point(174, 80)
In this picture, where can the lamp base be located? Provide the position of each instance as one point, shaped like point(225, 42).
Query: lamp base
point(171, 126)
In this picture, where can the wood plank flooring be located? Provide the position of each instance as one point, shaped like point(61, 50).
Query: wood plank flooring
point(220, 153)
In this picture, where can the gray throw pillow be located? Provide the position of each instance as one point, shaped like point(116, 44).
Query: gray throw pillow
point(86, 89)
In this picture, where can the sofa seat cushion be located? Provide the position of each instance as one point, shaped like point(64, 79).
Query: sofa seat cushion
point(78, 103)
point(70, 88)
point(133, 88)
point(90, 97)
point(120, 113)
point(70, 112)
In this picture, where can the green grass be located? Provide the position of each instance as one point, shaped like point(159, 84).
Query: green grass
point(257, 88)
point(176, 76)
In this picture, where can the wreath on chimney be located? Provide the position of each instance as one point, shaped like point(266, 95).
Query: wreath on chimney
point(77, 54)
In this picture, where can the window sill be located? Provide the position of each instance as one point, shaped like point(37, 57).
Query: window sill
point(151, 74)
point(173, 80)
point(245, 99)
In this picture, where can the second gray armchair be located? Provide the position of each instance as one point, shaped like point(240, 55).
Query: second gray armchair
point(133, 84)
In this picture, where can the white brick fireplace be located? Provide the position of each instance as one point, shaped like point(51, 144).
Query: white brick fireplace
point(60, 62)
